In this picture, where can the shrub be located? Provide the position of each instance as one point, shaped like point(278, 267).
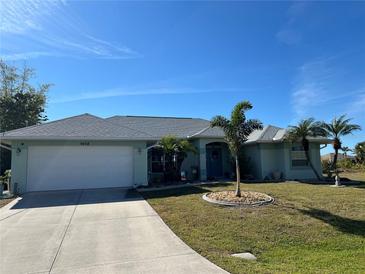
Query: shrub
point(346, 163)
point(326, 167)
point(350, 165)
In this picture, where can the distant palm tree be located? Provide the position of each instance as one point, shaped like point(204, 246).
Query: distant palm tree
point(338, 128)
point(300, 133)
point(346, 150)
point(236, 132)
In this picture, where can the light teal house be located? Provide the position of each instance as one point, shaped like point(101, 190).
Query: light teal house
point(86, 151)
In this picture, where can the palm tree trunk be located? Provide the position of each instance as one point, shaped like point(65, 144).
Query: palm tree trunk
point(311, 165)
point(334, 164)
point(238, 176)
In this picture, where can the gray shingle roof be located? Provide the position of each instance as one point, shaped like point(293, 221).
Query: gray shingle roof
point(267, 134)
point(81, 126)
point(162, 126)
point(87, 126)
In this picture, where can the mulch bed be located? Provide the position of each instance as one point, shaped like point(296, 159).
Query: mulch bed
point(248, 198)
point(5, 201)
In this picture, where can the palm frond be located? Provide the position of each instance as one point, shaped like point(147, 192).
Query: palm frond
point(219, 121)
point(305, 128)
point(186, 146)
point(238, 128)
point(238, 113)
point(248, 127)
point(340, 126)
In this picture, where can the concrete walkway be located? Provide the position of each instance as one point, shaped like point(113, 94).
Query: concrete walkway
point(91, 231)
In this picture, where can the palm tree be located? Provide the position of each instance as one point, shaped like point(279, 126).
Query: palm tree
point(336, 129)
point(300, 133)
point(360, 152)
point(236, 132)
point(174, 152)
point(346, 150)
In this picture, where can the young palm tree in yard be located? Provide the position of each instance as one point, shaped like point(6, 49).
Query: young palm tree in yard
point(300, 133)
point(174, 152)
point(236, 132)
point(338, 128)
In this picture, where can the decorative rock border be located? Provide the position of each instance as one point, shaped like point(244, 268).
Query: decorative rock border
point(226, 203)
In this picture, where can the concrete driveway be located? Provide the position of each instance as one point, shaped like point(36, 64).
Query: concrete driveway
point(91, 231)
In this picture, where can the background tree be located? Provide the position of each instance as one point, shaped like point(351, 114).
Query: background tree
point(338, 128)
point(346, 150)
point(360, 152)
point(21, 103)
point(236, 131)
point(300, 133)
point(174, 152)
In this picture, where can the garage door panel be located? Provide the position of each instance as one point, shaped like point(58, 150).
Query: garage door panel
point(79, 167)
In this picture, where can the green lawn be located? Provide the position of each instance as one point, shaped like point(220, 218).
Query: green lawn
point(309, 228)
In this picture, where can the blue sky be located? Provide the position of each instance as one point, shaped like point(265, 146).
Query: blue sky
point(193, 59)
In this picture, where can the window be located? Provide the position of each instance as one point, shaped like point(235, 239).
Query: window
point(156, 160)
point(298, 158)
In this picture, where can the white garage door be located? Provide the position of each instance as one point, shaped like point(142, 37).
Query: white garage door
point(79, 167)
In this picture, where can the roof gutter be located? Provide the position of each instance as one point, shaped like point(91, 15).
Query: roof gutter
point(5, 147)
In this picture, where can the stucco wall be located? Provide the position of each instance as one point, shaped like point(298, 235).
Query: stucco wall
point(268, 158)
point(252, 152)
point(272, 159)
point(20, 159)
point(303, 172)
point(264, 159)
point(19, 162)
point(192, 160)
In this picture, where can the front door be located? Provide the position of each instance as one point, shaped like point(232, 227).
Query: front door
point(214, 161)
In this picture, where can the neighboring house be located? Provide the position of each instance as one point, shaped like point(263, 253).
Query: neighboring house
point(86, 151)
point(330, 156)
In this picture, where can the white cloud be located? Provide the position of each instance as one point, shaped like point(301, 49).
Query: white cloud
point(304, 98)
point(289, 34)
point(357, 106)
point(289, 37)
point(309, 87)
point(118, 92)
point(25, 55)
point(20, 16)
point(296, 10)
point(319, 90)
point(35, 28)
